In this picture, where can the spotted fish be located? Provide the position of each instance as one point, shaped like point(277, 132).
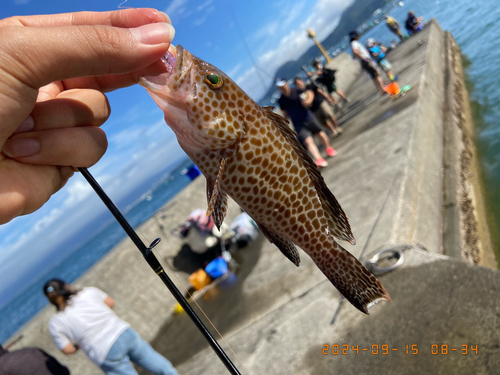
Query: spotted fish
point(249, 153)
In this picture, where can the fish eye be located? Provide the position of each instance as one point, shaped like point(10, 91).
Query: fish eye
point(214, 80)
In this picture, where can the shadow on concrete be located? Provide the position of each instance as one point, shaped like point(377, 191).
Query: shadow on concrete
point(187, 261)
point(178, 340)
point(398, 105)
point(437, 307)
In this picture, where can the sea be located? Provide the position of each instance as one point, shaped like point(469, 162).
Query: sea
point(29, 302)
point(475, 27)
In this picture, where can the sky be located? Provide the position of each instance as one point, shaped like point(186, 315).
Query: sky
point(228, 34)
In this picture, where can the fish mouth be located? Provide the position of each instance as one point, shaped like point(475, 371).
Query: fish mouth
point(177, 65)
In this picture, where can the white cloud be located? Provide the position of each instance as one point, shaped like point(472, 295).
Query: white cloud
point(176, 7)
point(292, 25)
point(77, 191)
point(181, 9)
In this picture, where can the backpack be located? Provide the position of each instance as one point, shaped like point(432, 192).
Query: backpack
point(327, 77)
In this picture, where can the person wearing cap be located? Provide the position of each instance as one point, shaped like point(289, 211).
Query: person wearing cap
point(291, 103)
point(378, 53)
point(85, 320)
point(393, 25)
point(359, 52)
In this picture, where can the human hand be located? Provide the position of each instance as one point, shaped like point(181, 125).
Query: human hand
point(54, 71)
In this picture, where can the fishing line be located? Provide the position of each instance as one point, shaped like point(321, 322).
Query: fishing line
point(249, 52)
point(186, 291)
point(203, 312)
point(183, 286)
point(370, 236)
point(153, 262)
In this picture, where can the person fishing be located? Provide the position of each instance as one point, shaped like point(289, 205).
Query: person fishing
point(85, 320)
point(393, 26)
point(378, 53)
point(413, 23)
point(359, 52)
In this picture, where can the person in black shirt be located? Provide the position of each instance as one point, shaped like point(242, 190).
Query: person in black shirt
point(413, 23)
point(326, 77)
point(315, 104)
point(303, 120)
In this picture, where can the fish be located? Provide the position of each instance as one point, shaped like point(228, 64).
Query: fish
point(250, 153)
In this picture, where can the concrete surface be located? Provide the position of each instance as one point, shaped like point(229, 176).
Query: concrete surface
point(388, 177)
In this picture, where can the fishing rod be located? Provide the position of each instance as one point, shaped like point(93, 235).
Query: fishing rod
point(153, 262)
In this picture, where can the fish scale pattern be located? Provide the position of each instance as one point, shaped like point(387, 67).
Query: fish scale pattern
point(251, 154)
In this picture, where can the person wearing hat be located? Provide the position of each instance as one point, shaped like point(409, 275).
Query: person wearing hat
point(393, 25)
point(85, 320)
point(378, 52)
point(359, 52)
point(291, 103)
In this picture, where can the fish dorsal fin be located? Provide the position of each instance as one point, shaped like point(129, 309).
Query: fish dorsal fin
point(216, 197)
point(337, 221)
point(286, 247)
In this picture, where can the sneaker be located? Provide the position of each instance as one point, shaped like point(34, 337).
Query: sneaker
point(321, 163)
point(330, 151)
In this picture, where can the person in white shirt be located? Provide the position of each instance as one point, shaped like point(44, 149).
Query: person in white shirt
point(359, 52)
point(85, 320)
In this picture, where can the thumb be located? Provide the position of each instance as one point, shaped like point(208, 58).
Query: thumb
point(36, 56)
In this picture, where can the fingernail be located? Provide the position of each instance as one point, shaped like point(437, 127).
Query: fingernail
point(154, 33)
point(26, 126)
point(16, 148)
point(165, 15)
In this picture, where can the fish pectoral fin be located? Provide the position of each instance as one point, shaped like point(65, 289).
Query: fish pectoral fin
point(337, 219)
point(217, 198)
point(286, 247)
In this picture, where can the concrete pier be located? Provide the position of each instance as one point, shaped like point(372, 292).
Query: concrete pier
point(405, 176)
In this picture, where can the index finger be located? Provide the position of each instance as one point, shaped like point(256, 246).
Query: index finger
point(119, 18)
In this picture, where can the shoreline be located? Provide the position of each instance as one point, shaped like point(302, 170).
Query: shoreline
point(469, 221)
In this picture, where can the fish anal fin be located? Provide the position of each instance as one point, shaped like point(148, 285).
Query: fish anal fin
point(286, 247)
point(337, 219)
point(216, 197)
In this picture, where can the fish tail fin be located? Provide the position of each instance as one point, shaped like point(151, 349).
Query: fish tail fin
point(351, 278)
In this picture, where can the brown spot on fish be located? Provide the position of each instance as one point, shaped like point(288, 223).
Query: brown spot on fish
point(281, 184)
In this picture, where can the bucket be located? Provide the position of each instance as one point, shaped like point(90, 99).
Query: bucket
point(392, 88)
point(199, 279)
point(216, 268)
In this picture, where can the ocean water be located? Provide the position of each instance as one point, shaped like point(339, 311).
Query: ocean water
point(23, 307)
point(473, 25)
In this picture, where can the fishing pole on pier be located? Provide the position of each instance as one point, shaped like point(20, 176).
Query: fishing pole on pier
point(153, 262)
